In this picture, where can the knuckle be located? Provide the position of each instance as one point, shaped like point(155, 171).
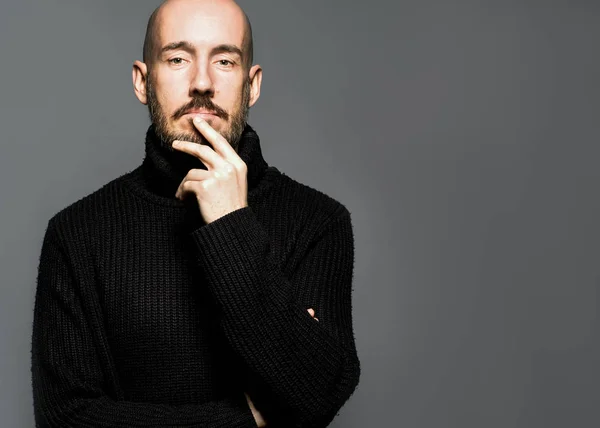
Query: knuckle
point(200, 149)
point(228, 168)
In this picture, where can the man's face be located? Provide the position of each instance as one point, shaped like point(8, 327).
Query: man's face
point(198, 68)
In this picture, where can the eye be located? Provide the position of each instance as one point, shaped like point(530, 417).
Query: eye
point(176, 61)
point(225, 62)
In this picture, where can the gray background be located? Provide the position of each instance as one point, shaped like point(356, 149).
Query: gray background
point(463, 137)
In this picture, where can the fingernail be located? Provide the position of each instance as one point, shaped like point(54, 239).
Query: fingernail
point(198, 119)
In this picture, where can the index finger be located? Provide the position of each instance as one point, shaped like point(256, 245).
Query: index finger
point(219, 143)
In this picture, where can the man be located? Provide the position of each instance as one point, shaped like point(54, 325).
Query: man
point(204, 288)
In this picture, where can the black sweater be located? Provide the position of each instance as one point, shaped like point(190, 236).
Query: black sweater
point(147, 317)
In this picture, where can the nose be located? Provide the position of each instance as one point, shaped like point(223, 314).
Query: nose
point(201, 82)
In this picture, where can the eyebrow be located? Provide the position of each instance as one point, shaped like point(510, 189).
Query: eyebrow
point(233, 49)
point(187, 46)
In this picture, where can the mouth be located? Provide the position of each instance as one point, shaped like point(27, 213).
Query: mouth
point(204, 114)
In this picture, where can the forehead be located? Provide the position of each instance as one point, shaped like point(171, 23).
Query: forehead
point(202, 23)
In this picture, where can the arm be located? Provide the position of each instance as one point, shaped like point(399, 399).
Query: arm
point(69, 383)
point(310, 367)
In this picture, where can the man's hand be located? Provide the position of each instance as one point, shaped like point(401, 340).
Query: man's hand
point(257, 416)
point(311, 311)
point(222, 187)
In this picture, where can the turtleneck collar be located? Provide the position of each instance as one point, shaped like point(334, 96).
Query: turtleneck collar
point(164, 168)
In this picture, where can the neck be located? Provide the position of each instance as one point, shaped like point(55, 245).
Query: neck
point(165, 168)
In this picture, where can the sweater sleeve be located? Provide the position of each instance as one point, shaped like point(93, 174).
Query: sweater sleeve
point(69, 383)
point(310, 367)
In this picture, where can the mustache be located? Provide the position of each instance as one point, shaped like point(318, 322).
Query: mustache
point(201, 102)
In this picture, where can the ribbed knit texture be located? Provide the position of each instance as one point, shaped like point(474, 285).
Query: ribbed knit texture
point(147, 317)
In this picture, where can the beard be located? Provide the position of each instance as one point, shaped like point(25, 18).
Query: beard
point(236, 120)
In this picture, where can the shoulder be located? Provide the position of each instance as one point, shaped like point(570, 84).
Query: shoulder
point(305, 203)
point(82, 215)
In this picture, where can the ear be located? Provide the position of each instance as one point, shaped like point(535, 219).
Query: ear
point(139, 75)
point(255, 76)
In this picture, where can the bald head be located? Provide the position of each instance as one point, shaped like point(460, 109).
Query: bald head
point(150, 40)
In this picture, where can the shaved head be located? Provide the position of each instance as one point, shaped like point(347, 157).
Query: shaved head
point(149, 52)
point(197, 61)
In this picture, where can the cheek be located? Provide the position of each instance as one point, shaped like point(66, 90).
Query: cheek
point(172, 93)
point(230, 94)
